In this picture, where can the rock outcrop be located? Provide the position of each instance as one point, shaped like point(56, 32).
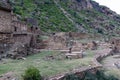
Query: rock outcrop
point(81, 4)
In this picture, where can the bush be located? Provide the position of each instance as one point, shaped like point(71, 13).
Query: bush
point(32, 73)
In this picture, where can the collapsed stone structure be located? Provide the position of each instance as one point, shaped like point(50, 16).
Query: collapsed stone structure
point(16, 37)
point(62, 40)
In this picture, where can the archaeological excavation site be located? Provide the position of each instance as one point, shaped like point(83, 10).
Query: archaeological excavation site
point(58, 40)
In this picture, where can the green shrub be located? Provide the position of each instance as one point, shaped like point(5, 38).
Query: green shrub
point(32, 73)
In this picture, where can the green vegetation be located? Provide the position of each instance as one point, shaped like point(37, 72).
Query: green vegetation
point(49, 16)
point(46, 66)
point(32, 73)
point(90, 76)
point(89, 19)
point(111, 70)
point(52, 18)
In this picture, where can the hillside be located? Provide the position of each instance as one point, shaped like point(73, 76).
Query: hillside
point(69, 15)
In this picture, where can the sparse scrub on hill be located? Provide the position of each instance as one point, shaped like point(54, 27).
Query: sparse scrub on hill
point(52, 18)
point(47, 13)
point(92, 20)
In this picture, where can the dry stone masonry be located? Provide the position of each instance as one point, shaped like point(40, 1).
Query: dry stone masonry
point(16, 37)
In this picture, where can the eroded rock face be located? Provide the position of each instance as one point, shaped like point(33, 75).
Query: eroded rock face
point(81, 4)
point(105, 10)
point(5, 21)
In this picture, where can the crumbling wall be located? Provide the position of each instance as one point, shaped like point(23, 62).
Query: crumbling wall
point(56, 41)
point(22, 38)
point(19, 26)
point(5, 21)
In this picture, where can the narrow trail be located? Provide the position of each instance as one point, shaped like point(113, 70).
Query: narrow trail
point(67, 15)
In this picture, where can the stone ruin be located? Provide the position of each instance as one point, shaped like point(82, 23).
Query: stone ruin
point(68, 44)
point(63, 41)
point(16, 37)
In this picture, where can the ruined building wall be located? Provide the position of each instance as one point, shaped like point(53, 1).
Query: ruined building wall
point(14, 34)
point(5, 21)
point(25, 39)
point(19, 26)
point(5, 31)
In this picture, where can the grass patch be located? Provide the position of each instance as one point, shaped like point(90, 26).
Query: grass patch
point(46, 67)
point(114, 72)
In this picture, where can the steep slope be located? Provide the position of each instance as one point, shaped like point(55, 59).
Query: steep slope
point(91, 16)
point(69, 15)
point(47, 13)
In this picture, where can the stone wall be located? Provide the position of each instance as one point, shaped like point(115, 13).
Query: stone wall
point(95, 66)
point(66, 40)
point(23, 38)
point(15, 35)
point(56, 41)
point(19, 26)
point(5, 21)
